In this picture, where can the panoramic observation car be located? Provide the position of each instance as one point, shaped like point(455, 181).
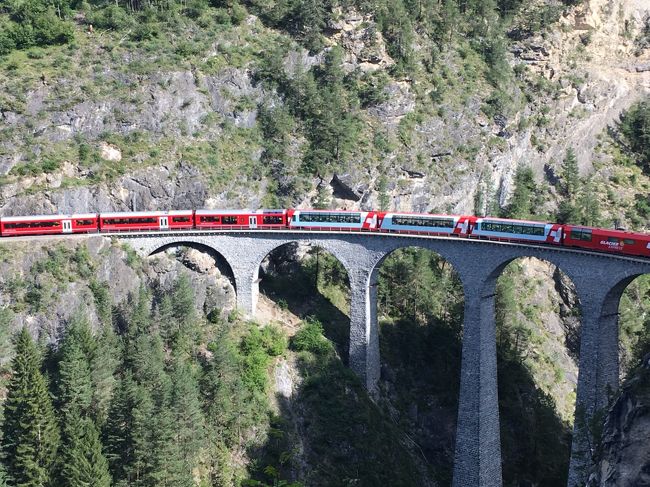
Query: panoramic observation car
point(48, 224)
point(604, 240)
point(146, 220)
point(327, 219)
point(234, 219)
point(436, 224)
point(517, 230)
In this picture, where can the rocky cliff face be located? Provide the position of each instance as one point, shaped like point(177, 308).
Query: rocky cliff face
point(169, 132)
point(43, 286)
point(624, 457)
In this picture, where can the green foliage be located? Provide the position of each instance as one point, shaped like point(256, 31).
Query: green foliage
point(310, 339)
point(428, 287)
point(533, 437)
point(34, 23)
point(103, 300)
point(30, 430)
point(258, 346)
point(526, 196)
point(634, 127)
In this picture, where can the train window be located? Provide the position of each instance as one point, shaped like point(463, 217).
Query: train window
point(577, 234)
point(180, 219)
point(129, 221)
point(331, 217)
point(423, 221)
point(521, 229)
point(272, 220)
point(46, 224)
point(210, 219)
point(628, 241)
point(229, 220)
point(612, 239)
point(84, 222)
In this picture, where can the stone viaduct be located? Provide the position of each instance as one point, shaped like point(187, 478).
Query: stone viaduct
point(598, 279)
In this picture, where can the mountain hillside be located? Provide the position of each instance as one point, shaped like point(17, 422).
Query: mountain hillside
point(536, 110)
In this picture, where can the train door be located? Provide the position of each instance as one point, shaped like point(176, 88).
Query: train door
point(252, 221)
point(164, 222)
point(67, 226)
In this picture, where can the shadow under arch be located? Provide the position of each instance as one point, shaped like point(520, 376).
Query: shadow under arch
point(221, 263)
point(310, 281)
point(420, 309)
point(626, 313)
point(538, 328)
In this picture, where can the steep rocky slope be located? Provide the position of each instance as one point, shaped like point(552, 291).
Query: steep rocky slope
point(116, 128)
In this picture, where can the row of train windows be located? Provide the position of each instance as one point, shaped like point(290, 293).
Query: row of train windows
point(422, 221)
point(181, 219)
point(513, 228)
point(225, 220)
point(48, 224)
point(581, 235)
point(128, 221)
point(272, 220)
point(330, 217)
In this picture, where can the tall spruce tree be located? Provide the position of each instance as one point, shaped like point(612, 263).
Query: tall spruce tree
point(82, 462)
point(523, 201)
point(30, 430)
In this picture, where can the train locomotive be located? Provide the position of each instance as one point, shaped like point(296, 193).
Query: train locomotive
point(462, 226)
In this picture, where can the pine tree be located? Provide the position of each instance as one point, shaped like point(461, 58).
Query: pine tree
point(31, 434)
point(189, 424)
point(81, 458)
point(570, 175)
point(102, 371)
point(523, 200)
point(4, 477)
point(84, 463)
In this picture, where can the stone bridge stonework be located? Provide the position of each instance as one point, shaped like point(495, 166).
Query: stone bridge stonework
point(599, 282)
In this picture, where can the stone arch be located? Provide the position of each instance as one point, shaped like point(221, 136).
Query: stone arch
point(283, 276)
point(425, 349)
point(538, 320)
point(221, 262)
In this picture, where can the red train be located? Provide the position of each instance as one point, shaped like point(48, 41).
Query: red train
point(596, 239)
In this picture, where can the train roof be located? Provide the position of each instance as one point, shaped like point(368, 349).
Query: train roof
point(430, 215)
point(33, 218)
point(145, 213)
point(311, 210)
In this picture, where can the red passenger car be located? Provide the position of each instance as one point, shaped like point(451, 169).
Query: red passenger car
point(240, 219)
point(48, 224)
point(146, 220)
point(604, 240)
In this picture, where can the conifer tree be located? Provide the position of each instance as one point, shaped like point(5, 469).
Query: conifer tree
point(188, 421)
point(570, 174)
point(102, 371)
point(83, 463)
point(523, 200)
point(30, 431)
point(81, 458)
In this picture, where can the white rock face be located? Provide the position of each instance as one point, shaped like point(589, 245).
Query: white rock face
point(109, 152)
